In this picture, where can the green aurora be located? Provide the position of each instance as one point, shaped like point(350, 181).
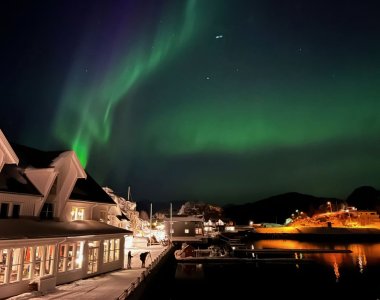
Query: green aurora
point(219, 101)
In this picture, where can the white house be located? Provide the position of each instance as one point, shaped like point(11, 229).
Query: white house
point(53, 218)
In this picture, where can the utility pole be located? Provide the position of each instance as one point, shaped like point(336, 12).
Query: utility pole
point(150, 222)
point(171, 222)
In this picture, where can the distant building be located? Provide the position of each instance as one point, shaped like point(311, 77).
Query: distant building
point(184, 228)
point(53, 220)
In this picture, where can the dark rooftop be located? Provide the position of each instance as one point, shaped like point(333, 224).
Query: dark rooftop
point(13, 180)
point(89, 190)
point(33, 157)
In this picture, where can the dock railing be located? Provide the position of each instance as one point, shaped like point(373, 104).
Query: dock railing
point(144, 274)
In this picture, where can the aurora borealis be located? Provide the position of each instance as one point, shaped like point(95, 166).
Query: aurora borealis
point(218, 101)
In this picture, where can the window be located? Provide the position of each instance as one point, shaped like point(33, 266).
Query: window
point(25, 263)
point(37, 260)
point(47, 211)
point(4, 210)
point(93, 256)
point(111, 250)
point(77, 213)
point(15, 259)
point(186, 230)
point(49, 259)
point(117, 249)
point(27, 267)
point(70, 256)
point(16, 210)
point(79, 255)
point(3, 265)
point(198, 230)
point(105, 251)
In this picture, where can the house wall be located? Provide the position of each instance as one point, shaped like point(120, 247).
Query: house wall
point(23, 263)
point(65, 185)
point(102, 266)
point(18, 266)
point(179, 228)
point(27, 202)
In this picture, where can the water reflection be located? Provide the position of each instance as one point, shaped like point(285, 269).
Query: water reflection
point(192, 271)
point(362, 255)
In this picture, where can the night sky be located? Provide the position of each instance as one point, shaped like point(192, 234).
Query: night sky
point(209, 100)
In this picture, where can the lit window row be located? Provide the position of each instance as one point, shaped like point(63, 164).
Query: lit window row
point(26, 263)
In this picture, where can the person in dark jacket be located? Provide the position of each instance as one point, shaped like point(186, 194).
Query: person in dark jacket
point(143, 256)
point(129, 260)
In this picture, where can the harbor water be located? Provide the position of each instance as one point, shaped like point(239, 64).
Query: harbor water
point(353, 275)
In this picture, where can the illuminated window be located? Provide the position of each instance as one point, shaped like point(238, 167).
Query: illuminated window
point(93, 256)
point(111, 250)
point(77, 213)
point(186, 230)
point(27, 267)
point(198, 230)
point(37, 260)
point(3, 265)
point(79, 255)
point(106, 251)
point(25, 263)
point(15, 259)
point(70, 256)
point(49, 259)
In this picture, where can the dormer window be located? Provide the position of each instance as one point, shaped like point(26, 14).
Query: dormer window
point(77, 213)
point(47, 211)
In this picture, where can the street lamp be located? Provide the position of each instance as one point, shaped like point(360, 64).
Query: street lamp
point(329, 205)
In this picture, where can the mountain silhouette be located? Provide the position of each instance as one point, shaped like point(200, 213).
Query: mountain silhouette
point(365, 198)
point(277, 209)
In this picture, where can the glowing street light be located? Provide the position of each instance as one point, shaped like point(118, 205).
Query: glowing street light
point(329, 205)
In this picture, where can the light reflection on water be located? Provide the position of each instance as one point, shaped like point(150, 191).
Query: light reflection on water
point(311, 276)
point(362, 255)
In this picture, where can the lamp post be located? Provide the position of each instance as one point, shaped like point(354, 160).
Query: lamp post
point(329, 205)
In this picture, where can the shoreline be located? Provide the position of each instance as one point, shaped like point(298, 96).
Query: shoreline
point(319, 234)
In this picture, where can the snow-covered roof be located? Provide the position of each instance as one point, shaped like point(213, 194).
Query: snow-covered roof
point(32, 229)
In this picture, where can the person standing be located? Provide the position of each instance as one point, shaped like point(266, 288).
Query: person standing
point(129, 266)
point(143, 258)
